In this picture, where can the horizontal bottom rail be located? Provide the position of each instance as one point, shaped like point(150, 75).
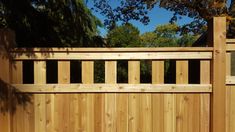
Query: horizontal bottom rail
point(113, 88)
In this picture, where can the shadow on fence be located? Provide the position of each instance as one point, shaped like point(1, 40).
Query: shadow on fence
point(10, 98)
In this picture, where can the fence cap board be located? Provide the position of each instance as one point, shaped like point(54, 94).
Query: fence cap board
point(112, 56)
point(95, 49)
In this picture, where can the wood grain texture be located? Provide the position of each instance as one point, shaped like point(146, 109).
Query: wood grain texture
point(110, 99)
point(40, 99)
point(17, 77)
point(62, 117)
point(186, 104)
point(158, 99)
point(228, 91)
point(134, 99)
point(182, 100)
point(218, 39)
point(205, 70)
point(89, 50)
point(117, 88)
point(5, 117)
point(88, 115)
point(115, 56)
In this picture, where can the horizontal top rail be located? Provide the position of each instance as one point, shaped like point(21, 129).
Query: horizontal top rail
point(112, 53)
point(230, 41)
point(95, 49)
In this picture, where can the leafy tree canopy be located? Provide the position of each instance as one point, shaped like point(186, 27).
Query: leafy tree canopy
point(167, 35)
point(200, 10)
point(48, 23)
point(124, 36)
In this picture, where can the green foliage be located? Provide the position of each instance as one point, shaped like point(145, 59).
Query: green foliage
point(162, 36)
point(200, 10)
point(167, 36)
point(124, 36)
point(47, 23)
point(149, 39)
point(186, 40)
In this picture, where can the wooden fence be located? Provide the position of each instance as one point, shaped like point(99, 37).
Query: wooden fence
point(132, 107)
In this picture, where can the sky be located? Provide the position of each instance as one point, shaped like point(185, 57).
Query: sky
point(157, 16)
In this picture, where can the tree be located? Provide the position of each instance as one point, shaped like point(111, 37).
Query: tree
point(47, 23)
point(149, 39)
point(167, 35)
point(124, 36)
point(200, 10)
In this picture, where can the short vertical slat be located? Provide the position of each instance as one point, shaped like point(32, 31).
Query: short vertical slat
point(204, 98)
point(158, 99)
point(134, 99)
point(158, 72)
point(40, 99)
point(17, 72)
point(88, 78)
point(110, 98)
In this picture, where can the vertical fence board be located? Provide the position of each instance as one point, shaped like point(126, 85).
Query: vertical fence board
point(40, 99)
point(134, 99)
point(110, 98)
point(157, 99)
point(50, 109)
point(7, 39)
point(88, 78)
point(218, 39)
point(228, 92)
point(23, 117)
point(182, 100)
point(205, 98)
point(5, 117)
point(170, 113)
point(230, 97)
point(64, 100)
point(18, 116)
point(186, 104)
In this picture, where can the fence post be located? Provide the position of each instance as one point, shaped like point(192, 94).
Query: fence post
point(217, 39)
point(6, 41)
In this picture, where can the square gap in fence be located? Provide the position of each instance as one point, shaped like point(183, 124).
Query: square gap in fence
point(194, 71)
point(145, 71)
point(28, 72)
point(75, 71)
point(170, 71)
point(122, 71)
point(52, 71)
point(99, 71)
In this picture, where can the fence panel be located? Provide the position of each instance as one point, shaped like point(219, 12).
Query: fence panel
point(134, 106)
